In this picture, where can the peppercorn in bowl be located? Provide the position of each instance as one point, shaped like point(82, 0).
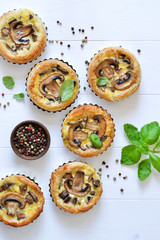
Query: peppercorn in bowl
point(21, 200)
point(52, 85)
point(23, 36)
point(75, 187)
point(30, 140)
point(88, 130)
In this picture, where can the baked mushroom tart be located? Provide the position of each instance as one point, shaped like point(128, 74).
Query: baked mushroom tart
point(75, 187)
point(114, 73)
point(21, 200)
point(88, 130)
point(22, 36)
point(52, 85)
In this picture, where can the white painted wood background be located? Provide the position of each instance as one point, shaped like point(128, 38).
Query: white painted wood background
point(133, 24)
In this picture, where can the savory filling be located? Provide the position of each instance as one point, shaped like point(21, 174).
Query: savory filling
point(78, 187)
point(115, 73)
point(55, 85)
point(87, 132)
point(17, 200)
point(20, 33)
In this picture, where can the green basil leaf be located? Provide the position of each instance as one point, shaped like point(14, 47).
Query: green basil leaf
point(102, 81)
point(18, 96)
point(144, 169)
point(155, 160)
point(142, 146)
point(132, 133)
point(157, 144)
point(66, 90)
point(130, 155)
point(95, 140)
point(8, 82)
point(150, 132)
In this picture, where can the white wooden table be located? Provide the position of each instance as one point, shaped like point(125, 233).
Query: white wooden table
point(133, 24)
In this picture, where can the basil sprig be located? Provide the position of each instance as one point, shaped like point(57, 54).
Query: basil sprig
point(95, 140)
point(18, 96)
point(8, 82)
point(131, 154)
point(102, 81)
point(66, 90)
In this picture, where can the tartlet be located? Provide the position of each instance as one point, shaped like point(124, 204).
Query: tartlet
point(22, 36)
point(75, 187)
point(21, 200)
point(88, 130)
point(52, 85)
point(114, 73)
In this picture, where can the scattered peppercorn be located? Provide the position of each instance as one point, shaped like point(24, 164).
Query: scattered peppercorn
point(79, 30)
point(68, 45)
point(4, 106)
point(107, 166)
point(2, 94)
point(103, 163)
point(30, 140)
point(86, 37)
point(57, 22)
point(138, 50)
point(83, 30)
point(51, 41)
point(114, 178)
point(92, 27)
point(108, 175)
point(117, 160)
point(0, 104)
point(73, 32)
point(62, 53)
point(100, 169)
point(61, 43)
point(83, 40)
point(84, 88)
point(125, 177)
point(119, 174)
point(8, 103)
point(82, 45)
point(56, 41)
point(122, 190)
point(86, 62)
point(72, 28)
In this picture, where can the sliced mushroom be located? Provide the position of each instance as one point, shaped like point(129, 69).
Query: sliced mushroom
point(11, 201)
point(67, 175)
point(49, 87)
point(12, 20)
point(96, 183)
point(33, 195)
point(125, 81)
point(64, 71)
point(74, 201)
point(88, 199)
point(77, 185)
point(92, 193)
point(98, 125)
point(127, 60)
point(106, 68)
point(20, 215)
point(75, 136)
point(29, 199)
point(90, 177)
point(11, 48)
point(18, 31)
point(23, 189)
point(67, 199)
point(63, 194)
point(34, 37)
point(5, 186)
point(5, 32)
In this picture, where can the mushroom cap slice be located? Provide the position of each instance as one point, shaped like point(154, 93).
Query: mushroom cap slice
point(77, 185)
point(99, 124)
point(106, 68)
point(12, 201)
point(125, 81)
point(49, 83)
point(18, 31)
point(75, 136)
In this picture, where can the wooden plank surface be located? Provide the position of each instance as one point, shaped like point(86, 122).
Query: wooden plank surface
point(134, 24)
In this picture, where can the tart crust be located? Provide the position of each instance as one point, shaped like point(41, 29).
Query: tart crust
point(35, 78)
point(23, 53)
point(57, 186)
point(109, 92)
point(31, 211)
point(88, 112)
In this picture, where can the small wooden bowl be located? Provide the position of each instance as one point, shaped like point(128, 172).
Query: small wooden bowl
point(38, 124)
